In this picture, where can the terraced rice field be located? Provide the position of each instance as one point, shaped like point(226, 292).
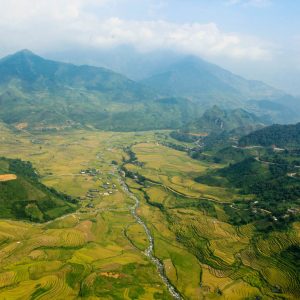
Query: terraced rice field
point(232, 262)
point(85, 254)
point(97, 252)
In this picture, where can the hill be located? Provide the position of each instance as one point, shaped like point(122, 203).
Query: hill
point(218, 120)
point(280, 135)
point(22, 196)
point(41, 94)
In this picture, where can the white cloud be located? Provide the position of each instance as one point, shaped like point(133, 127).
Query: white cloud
point(54, 24)
point(199, 39)
point(256, 3)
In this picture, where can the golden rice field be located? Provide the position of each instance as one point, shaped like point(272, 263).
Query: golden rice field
point(223, 260)
point(97, 252)
point(85, 254)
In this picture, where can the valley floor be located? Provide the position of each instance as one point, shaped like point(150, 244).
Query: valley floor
point(99, 251)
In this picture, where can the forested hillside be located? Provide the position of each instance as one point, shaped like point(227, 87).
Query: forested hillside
point(22, 196)
point(284, 136)
point(40, 94)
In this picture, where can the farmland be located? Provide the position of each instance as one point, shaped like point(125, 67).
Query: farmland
point(85, 253)
point(8, 177)
point(98, 251)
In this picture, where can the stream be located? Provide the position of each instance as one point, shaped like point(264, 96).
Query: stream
point(149, 251)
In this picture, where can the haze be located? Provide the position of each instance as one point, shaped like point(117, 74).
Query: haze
point(258, 39)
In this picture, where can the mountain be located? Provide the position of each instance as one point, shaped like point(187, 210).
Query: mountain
point(36, 93)
point(123, 59)
point(41, 94)
point(216, 119)
point(22, 196)
point(284, 136)
point(208, 84)
point(284, 109)
point(34, 72)
point(171, 73)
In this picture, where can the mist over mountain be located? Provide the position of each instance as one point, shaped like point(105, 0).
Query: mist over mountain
point(173, 73)
point(124, 59)
point(42, 94)
point(202, 81)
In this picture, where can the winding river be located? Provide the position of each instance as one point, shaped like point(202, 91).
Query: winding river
point(149, 251)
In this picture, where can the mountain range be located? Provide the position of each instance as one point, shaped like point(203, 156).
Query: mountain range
point(40, 94)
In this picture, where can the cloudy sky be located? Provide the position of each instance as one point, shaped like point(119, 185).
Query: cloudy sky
point(259, 39)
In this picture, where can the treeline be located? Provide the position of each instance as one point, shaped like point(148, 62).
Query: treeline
point(279, 135)
point(22, 168)
point(183, 137)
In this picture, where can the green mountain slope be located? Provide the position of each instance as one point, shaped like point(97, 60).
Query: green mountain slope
point(32, 72)
point(40, 94)
point(22, 196)
point(218, 120)
point(36, 93)
point(279, 135)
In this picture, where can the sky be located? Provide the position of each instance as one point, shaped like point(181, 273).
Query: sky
point(258, 39)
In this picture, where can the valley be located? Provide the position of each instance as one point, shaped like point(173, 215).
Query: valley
point(149, 150)
point(144, 227)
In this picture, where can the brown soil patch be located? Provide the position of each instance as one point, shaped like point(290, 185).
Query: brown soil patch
point(7, 177)
point(111, 275)
point(110, 267)
point(203, 134)
point(21, 126)
point(86, 227)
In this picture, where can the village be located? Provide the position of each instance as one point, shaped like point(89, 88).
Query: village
point(105, 187)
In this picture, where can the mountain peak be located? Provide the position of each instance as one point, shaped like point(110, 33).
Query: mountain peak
point(24, 52)
point(22, 55)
